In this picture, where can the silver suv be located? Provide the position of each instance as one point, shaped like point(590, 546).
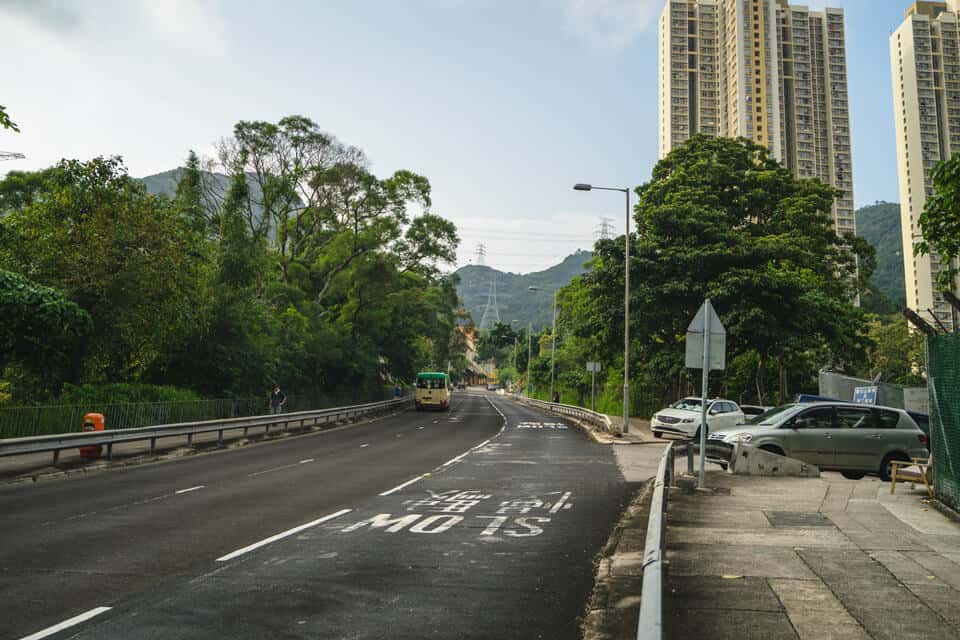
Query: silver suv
point(854, 439)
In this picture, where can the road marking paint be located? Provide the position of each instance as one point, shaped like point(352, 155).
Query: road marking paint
point(399, 435)
point(366, 444)
point(306, 461)
point(419, 427)
point(271, 470)
point(566, 496)
point(199, 486)
point(280, 536)
point(401, 486)
point(457, 459)
point(66, 624)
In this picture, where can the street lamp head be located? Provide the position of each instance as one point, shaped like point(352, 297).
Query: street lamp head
point(582, 187)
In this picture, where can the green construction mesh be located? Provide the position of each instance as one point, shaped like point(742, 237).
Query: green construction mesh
point(943, 377)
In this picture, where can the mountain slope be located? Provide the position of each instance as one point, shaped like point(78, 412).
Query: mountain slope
point(515, 300)
point(215, 186)
point(879, 224)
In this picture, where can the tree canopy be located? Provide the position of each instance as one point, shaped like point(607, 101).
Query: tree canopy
point(940, 222)
point(331, 280)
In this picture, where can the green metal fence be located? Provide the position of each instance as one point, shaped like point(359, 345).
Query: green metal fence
point(19, 422)
point(943, 381)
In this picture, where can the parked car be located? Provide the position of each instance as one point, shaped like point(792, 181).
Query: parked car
point(492, 387)
point(683, 417)
point(841, 436)
point(750, 410)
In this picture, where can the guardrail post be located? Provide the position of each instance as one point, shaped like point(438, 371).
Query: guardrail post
point(56, 456)
point(189, 439)
point(220, 437)
point(690, 458)
point(266, 431)
point(153, 444)
point(109, 451)
point(285, 426)
point(245, 431)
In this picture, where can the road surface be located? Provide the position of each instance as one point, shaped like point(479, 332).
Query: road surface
point(478, 523)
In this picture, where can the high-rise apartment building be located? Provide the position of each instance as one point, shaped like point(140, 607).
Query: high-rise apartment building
point(763, 70)
point(925, 60)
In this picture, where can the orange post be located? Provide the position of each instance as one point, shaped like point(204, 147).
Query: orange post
point(92, 422)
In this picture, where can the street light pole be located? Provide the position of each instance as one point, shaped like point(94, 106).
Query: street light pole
point(553, 348)
point(626, 300)
point(529, 352)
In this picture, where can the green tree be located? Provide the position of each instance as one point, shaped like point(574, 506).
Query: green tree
point(189, 195)
point(42, 332)
point(5, 120)
point(939, 222)
point(897, 353)
point(90, 231)
point(720, 219)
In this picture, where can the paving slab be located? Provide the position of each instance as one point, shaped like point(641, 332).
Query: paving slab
point(815, 612)
point(843, 558)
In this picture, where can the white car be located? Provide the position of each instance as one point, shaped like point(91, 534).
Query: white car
point(682, 418)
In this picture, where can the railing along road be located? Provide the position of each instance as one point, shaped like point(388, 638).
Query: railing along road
point(107, 438)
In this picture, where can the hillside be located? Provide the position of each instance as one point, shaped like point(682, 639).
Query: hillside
point(879, 224)
point(215, 187)
point(514, 299)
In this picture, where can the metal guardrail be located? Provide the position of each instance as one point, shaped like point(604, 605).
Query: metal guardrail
point(650, 624)
point(598, 420)
point(301, 419)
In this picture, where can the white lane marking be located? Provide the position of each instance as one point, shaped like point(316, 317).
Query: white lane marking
point(566, 496)
point(367, 444)
point(306, 461)
point(280, 536)
point(83, 617)
point(271, 470)
point(457, 459)
point(401, 486)
point(199, 486)
point(422, 427)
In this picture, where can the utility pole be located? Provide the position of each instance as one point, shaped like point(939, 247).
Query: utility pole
point(529, 352)
point(553, 348)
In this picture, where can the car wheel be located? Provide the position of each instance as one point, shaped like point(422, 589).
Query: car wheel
point(886, 469)
point(852, 475)
point(657, 434)
point(769, 448)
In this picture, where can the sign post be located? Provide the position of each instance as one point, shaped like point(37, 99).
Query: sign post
point(593, 367)
point(706, 350)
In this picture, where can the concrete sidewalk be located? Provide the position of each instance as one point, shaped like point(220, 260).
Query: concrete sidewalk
point(762, 557)
point(639, 432)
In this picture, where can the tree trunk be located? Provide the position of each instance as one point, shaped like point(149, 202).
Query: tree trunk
point(761, 374)
point(784, 392)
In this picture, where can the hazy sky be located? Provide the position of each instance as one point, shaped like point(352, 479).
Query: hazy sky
point(502, 104)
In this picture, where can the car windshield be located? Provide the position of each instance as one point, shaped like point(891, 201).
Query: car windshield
point(688, 404)
point(771, 416)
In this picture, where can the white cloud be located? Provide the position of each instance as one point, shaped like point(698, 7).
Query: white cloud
point(188, 24)
point(47, 14)
point(610, 25)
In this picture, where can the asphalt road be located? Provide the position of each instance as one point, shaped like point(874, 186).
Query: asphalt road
point(382, 530)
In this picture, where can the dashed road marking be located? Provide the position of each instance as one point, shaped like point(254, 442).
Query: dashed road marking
point(196, 488)
point(66, 624)
point(306, 461)
point(365, 444)
point(280, 536)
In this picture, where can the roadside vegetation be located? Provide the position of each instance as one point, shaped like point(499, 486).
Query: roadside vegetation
point(721, 219)
point(329, 279)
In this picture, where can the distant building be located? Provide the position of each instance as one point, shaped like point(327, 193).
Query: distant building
point(925, 57)
point(763, 70)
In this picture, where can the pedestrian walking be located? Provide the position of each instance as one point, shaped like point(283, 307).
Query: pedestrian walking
point(277, 400)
